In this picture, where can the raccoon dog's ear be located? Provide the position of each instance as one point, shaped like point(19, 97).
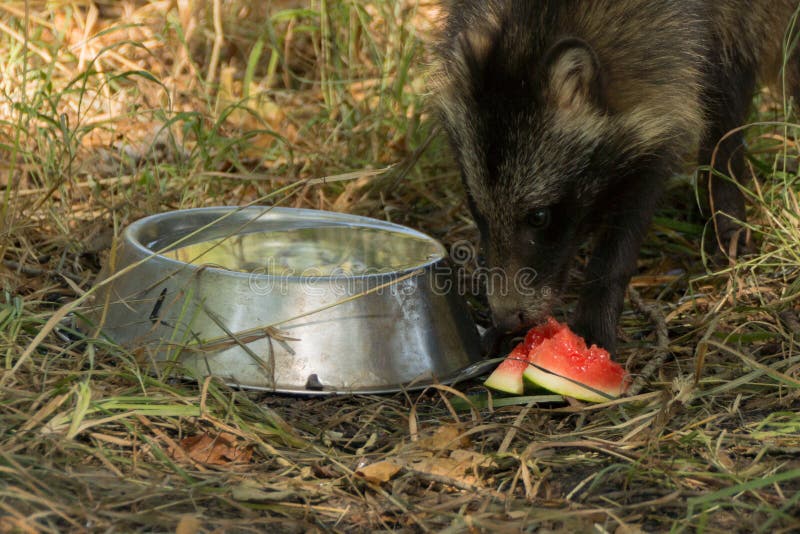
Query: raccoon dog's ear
point(575, 77)
point(474, 47)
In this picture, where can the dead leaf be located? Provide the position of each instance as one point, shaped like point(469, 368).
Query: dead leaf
point(219, 449)
point(629, 529)
point(461, 466)
point(445, 438)
point(380, 472)
point(472, 459)
point(17, 524)
point(446, 468)
point(188, 524)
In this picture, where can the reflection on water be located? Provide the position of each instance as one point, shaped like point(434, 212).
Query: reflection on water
point(318, 251)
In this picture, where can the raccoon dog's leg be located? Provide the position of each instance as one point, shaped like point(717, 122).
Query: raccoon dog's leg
point(616, 247)
point(791, 77)
point(728, 102)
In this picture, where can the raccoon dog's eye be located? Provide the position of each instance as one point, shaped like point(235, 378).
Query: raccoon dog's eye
point(539, 218)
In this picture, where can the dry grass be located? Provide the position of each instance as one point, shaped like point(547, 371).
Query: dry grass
point(114, 110)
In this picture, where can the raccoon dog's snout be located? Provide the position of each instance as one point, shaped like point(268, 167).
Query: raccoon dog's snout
point(567, 117)
point(516, 311)
point(511, 321)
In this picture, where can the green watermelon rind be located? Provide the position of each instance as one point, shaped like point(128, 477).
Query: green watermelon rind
point(507, 378)
point(566, 387)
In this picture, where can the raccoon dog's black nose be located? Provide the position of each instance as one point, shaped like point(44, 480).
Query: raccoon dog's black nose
point(512, 322)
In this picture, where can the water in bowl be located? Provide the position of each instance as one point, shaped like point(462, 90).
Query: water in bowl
point(313, 252)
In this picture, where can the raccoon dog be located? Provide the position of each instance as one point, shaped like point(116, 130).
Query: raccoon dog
point(567, 117)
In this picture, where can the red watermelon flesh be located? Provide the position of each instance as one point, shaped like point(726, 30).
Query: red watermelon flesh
point(537, 334)
point(562, 364)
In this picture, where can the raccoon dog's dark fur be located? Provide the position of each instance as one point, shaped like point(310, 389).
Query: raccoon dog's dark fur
point(567, 116)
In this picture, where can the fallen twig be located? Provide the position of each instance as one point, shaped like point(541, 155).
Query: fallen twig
point(662, 340)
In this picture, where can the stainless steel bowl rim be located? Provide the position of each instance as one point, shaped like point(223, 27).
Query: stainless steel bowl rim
point(131, 235)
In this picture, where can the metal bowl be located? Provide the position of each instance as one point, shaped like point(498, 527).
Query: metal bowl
point(288, 300)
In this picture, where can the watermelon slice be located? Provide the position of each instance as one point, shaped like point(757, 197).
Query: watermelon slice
point(555, 358)
point(564, 365)
point(508, 375)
